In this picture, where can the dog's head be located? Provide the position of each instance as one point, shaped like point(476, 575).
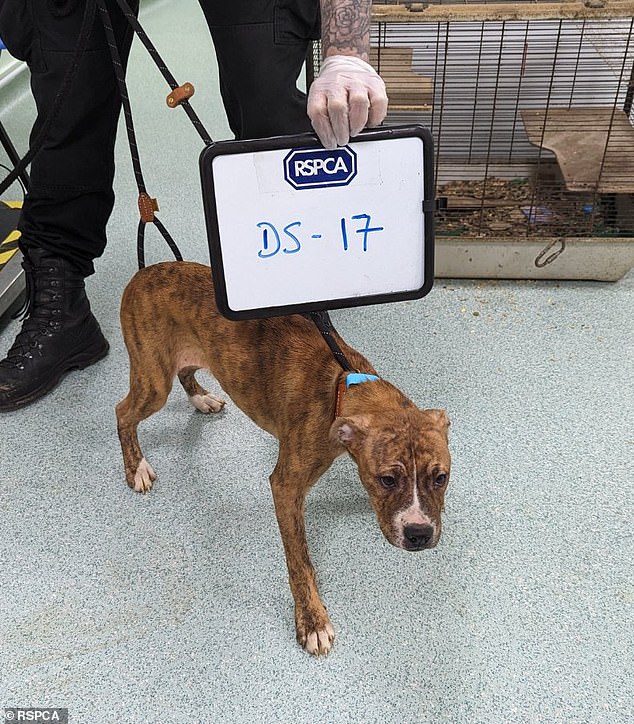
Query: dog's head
point(404, 464)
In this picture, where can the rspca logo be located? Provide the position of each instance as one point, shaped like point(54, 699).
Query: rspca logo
point(312, 168)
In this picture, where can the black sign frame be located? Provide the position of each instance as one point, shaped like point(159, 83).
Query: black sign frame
point(306, 141)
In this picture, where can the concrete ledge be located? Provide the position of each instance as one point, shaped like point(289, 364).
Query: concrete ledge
point(597, 259)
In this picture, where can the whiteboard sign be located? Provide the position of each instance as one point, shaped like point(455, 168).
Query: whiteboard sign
point(294, 228)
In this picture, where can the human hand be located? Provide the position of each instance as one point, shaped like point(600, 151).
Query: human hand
point(347, 95)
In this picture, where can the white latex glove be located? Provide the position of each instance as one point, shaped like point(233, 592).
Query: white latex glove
point(347, 95)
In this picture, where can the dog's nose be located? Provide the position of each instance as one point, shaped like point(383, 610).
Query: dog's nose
point(417, 536)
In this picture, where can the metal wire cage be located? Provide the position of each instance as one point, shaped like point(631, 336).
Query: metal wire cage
point(531, 109)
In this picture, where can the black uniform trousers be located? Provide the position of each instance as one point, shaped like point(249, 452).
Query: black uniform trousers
point(260, 46)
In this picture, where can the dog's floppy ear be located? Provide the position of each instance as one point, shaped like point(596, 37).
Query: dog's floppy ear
point(349, 431)
point(439, 417)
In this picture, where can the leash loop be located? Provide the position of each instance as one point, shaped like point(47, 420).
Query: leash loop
point(147, 205)
point(140, 241)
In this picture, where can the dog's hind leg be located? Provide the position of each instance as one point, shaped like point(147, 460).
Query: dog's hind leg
point(149, 388)
point(197, 395)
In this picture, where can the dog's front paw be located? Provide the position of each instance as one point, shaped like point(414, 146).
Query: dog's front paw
point(207, 403)
point(315, 633)
point(143, 478)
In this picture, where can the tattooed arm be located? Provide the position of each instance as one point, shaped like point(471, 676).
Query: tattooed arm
point(348, 94)
point(346, 28)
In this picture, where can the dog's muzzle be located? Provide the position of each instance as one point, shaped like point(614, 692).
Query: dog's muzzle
point(416, 537)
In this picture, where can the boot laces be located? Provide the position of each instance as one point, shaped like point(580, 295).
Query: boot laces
point(40, 312)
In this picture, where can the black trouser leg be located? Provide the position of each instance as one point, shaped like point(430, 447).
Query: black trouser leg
point(71, 198)
point(261, 46)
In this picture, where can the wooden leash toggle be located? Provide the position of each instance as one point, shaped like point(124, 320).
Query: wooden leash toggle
point(180, 94)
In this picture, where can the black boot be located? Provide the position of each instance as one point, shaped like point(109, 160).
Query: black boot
point(59, 333)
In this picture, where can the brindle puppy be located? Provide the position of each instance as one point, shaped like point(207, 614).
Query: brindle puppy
point(280, 372)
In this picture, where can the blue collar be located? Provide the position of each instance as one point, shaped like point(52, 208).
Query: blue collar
point(354, 378)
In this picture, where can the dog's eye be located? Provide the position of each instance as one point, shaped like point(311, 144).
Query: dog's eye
point(440, 480)
point(387, 481)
